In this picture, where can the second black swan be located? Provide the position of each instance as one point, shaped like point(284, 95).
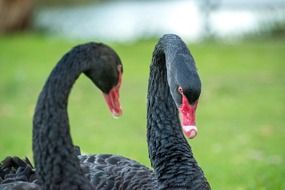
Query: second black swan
point(174, 87)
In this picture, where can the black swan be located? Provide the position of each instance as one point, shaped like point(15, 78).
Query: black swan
point(174, 86)
point(55, 156)
point(56, 164)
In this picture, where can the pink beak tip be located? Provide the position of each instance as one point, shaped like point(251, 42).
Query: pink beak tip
point(117, 113)
point(190, 131)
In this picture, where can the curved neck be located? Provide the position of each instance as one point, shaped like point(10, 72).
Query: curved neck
point(170, 155)
point(55, 160)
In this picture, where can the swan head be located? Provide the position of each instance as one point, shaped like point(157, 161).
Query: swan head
point(185, 87)
point(106, 73)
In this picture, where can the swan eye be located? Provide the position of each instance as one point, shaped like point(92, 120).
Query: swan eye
point(180, 90)
point(120, 73)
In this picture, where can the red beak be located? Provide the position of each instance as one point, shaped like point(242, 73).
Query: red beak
point(113, 97)
point(188, 119)
point(113, 102)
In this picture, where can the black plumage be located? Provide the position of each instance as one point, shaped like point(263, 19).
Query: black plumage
point(17, 174)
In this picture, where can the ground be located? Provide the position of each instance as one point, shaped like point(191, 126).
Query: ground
point(240, 116)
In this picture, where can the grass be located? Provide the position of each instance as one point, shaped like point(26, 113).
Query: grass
point(241, 114)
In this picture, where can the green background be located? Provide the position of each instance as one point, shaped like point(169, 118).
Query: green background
point(240, 117)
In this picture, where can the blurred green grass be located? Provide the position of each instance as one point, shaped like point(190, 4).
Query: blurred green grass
point(240, 117)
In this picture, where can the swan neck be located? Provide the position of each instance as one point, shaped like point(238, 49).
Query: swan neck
point(57, 165)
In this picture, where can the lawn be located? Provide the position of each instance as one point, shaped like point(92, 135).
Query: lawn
point(241, 114)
